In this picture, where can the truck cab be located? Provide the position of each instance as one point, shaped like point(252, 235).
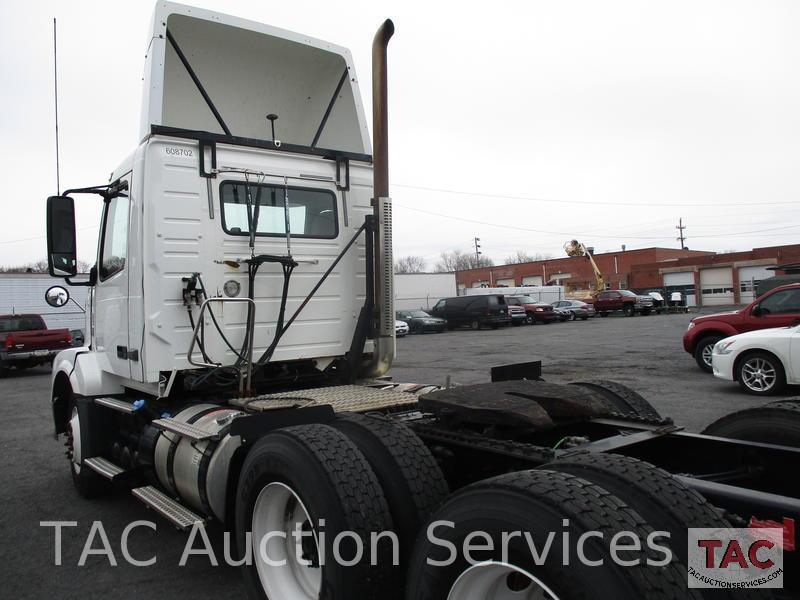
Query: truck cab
point(251, 186)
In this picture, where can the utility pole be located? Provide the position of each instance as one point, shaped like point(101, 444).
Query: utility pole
point(477, 251)
point(682, 239)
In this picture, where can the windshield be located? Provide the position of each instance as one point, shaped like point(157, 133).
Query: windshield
point(525, 299)
point(627, 293)
point(419, 314)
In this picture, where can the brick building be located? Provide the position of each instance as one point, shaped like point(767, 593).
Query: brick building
point(706, 278)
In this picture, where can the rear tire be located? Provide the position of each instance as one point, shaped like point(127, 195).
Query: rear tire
point(702, 352)
point(536, 502)
point(774, 423)
point(330, 479)
point(663, 501)
point(622, 399)
point(475, 325)
point(409, 475)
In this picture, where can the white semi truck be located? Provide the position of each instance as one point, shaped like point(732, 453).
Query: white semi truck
point(240, 329)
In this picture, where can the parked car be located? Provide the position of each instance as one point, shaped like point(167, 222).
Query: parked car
point(609, 301)
point(762, 361)
point(535, 312)
point(400, 329)
point(574, 309)
point(475, 311)
point(517, 314)
point(420, 322)
point(25, 341)
point(777, 308)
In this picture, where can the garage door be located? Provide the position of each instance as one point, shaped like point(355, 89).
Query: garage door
point(716, 286)
point(748, 280)
point(532, 280)
point(506, 283)
point(683, 283)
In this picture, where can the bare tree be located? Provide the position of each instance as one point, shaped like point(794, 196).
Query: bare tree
point(410, 264)
point(40, 266)
point(522, 256)
point(458, 260)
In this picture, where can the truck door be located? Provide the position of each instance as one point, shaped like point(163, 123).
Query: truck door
point(780, 309)
point(112, 289)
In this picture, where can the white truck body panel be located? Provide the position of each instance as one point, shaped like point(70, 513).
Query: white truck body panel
point(422, 290)
point(249, 69)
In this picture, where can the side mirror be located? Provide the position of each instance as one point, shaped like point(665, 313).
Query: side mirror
point(62, 255)
point(757, 311)
point(56, 296)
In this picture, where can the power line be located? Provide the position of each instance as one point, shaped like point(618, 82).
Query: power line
point(533, 199)
point(595, 235)
point(41, 237)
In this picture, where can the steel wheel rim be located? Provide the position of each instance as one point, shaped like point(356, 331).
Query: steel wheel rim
point(75, 439)
point(279, 508)
point(708, 351)
point(499, 581)
point(758, 374)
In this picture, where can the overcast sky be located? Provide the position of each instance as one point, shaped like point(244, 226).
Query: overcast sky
point(523, 123)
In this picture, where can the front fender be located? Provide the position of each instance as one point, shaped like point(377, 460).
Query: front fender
point(77, 371)
point(702, 330)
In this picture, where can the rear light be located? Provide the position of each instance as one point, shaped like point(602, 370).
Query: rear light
point(69, 338)
point(9, 343)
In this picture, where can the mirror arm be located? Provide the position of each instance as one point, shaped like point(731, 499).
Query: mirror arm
point(88, 283)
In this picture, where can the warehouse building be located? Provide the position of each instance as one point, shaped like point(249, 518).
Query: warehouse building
point(704, 278)
point(575, 273)
point(23, 293)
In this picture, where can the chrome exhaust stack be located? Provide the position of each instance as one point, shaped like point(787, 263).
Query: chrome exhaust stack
point(383, 266)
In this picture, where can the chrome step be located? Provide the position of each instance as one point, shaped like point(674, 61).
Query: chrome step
point(103, 467)
point(174, 512)
point(187, 430)
point(115, 404)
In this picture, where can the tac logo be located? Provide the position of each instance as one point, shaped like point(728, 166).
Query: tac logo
point(736, 558)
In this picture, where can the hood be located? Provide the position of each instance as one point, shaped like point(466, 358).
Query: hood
point(775, 332)
point(729, 316)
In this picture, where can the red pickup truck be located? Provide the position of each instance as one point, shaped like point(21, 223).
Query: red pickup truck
point(625, 300)
point(25, 341)
point(777, 308)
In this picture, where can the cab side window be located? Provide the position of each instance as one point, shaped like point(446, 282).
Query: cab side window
point(782, 303)
point(115, 238)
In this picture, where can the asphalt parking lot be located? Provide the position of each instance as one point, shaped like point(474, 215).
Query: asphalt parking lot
point(642, 352)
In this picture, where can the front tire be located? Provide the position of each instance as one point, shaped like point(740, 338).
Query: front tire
point(703, 350)
point(88, 483)
point(629, 310)
point(475, 325)
point(761, 374)
point(290, 480)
